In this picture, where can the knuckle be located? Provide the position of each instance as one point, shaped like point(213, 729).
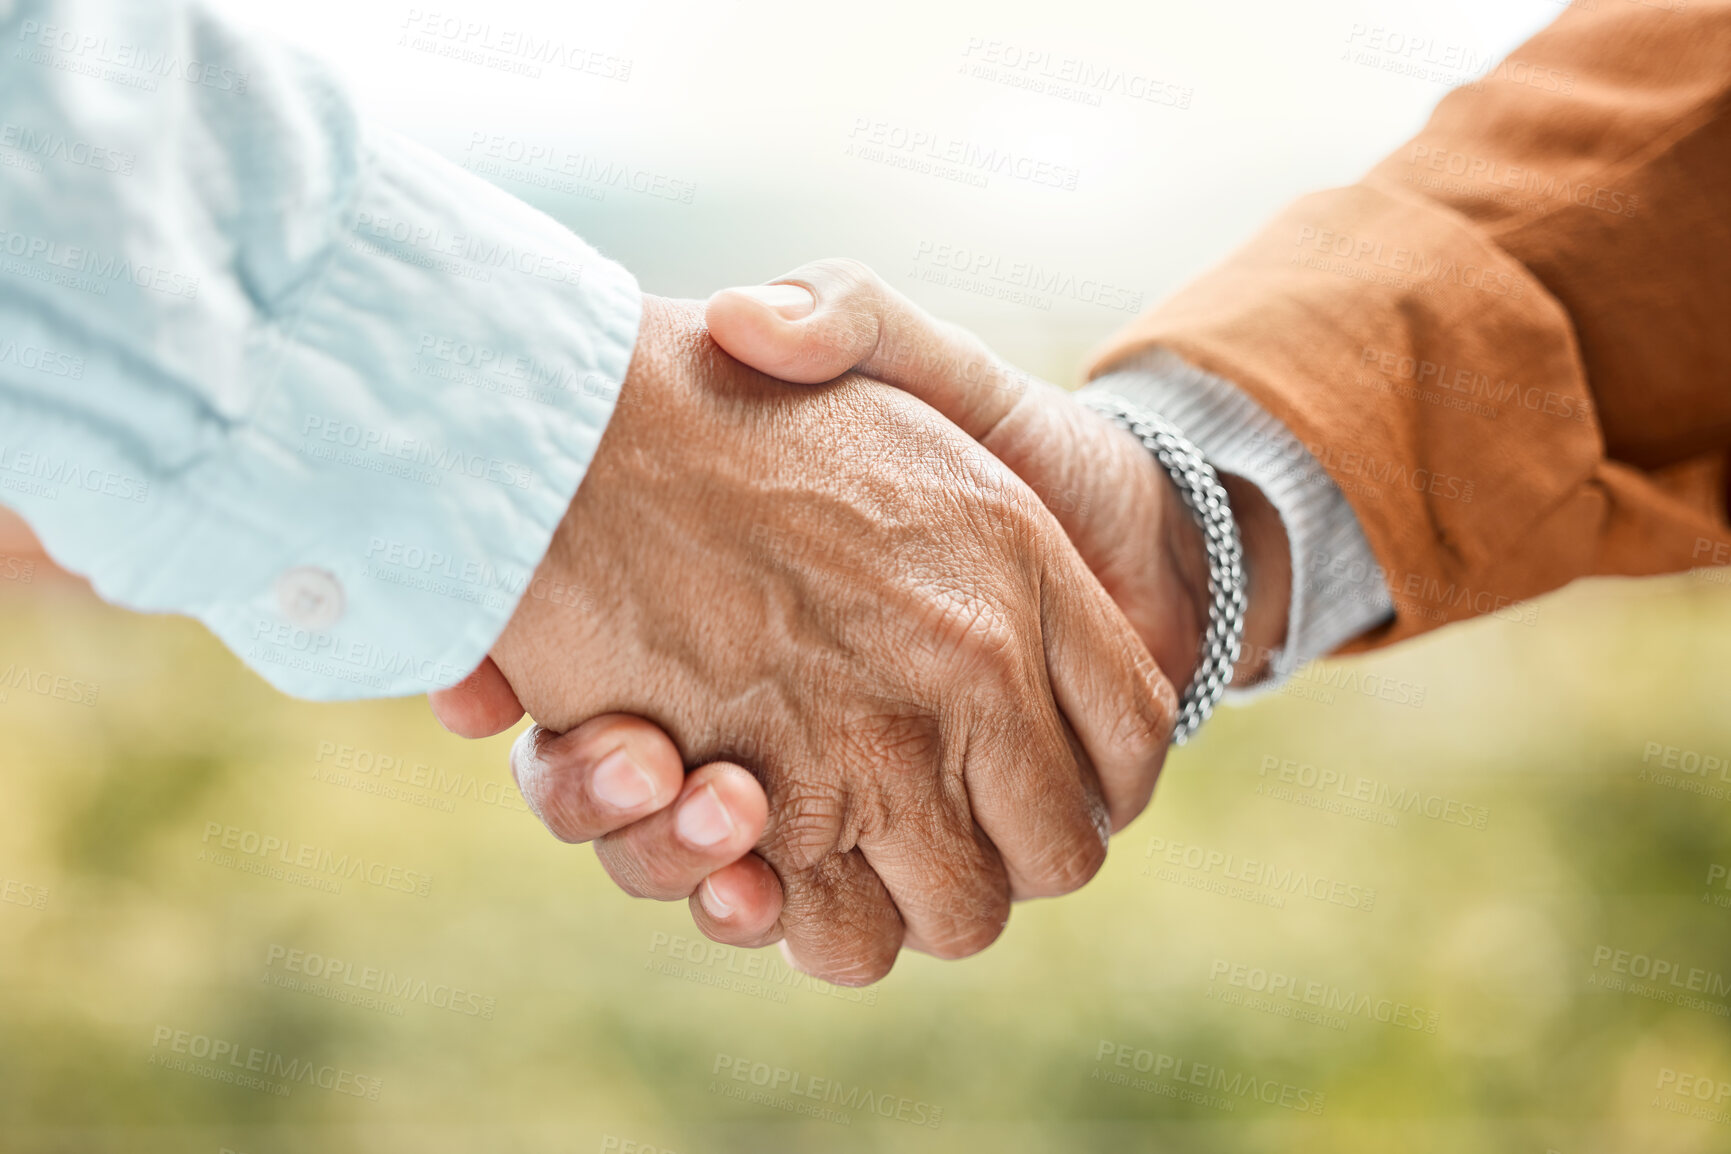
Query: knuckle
point(966, 935)
point(804, 830)
point(852, 278)
point(853, 297)
point(840, 923)
point(639, 874)
point(1023, 531)
point(625, 871)
point(740, 937)
point(856, 972)
point(1066, 869)
point(975, 634)
point(553, 797)
point(526, 758)
point(960, 902)
point(855, 962)
point(1143, 731)
point(565, 815)
point(1019, 507)
point(889, 745)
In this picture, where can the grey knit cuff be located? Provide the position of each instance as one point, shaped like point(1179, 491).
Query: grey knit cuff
point(1337, 587)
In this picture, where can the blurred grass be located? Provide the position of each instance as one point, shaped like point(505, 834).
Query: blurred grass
point(590, 1040)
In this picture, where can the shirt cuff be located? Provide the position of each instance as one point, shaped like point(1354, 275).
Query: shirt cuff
point(1337, 588)
point(428, 405)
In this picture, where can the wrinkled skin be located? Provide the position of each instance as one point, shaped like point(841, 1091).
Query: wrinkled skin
point(837, 589)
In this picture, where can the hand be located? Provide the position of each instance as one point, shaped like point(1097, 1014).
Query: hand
point(840, 589)
point(1113, 499)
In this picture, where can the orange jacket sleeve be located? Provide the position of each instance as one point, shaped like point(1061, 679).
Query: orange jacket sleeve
point(1510, 343)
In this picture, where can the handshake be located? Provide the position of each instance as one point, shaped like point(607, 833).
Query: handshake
point(918, 620)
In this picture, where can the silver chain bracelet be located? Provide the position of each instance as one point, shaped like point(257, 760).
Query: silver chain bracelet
point(1206, 499)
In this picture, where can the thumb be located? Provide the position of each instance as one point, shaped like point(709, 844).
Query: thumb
point(835, 316)
point(761, 326)
point(480, 705)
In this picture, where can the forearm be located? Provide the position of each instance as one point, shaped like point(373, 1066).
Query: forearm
point(1508, 395)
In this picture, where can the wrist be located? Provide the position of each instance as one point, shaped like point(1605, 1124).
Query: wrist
point(1268, 573)
point(1268, 576)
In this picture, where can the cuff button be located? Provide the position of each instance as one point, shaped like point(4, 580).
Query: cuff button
point(310, 598)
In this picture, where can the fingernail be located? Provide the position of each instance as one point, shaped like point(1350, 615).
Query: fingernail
point(621, 783)
point(791, 302)
point(711, 900)
point(703, 820)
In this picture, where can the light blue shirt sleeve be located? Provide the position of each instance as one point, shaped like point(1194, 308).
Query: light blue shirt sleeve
point(267, 366)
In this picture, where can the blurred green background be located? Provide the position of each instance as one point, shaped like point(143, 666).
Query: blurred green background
point(585, 1018)
point(1544, 813)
